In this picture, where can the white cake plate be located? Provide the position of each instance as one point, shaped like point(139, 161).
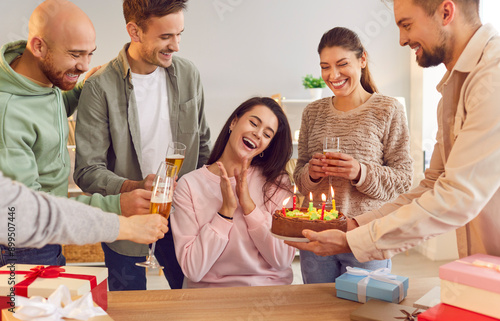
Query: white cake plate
point(291, 239)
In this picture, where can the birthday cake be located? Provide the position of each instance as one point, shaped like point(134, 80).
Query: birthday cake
point(293, 222)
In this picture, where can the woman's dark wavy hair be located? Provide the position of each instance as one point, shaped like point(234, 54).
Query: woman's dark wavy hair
point(276, 155)
point(349, 40)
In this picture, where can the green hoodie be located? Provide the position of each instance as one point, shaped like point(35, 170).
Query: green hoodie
point(34, 132)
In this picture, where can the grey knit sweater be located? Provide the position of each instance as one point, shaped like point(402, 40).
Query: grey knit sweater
point(34, 219)
point(376, 134)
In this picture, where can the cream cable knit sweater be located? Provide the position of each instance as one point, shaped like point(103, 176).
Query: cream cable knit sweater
point(376, 134)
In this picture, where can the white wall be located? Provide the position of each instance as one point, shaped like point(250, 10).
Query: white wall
point(250, 47)
point(490, 10)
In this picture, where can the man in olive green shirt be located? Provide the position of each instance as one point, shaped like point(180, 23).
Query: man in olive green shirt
point(128, 113)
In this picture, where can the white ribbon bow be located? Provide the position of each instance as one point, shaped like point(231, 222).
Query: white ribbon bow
point(381, 274)
point(56, 307)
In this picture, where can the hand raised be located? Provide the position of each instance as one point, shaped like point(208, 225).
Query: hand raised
point(147, 183)
point(342, 165)
point(143, 229)
point(135, 202)
point(316, 164)
point(130, 185)
point(91, 72)
point(229, 202)
point(246, 201)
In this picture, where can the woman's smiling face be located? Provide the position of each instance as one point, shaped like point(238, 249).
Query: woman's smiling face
point(253, 131)
point(341, 70)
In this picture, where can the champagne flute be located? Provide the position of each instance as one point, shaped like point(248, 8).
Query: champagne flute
point(161, 202)
point(176, 152)
point(330, 145)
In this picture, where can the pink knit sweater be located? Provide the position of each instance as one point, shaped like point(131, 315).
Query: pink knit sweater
point(215, 252)
point(376, 134)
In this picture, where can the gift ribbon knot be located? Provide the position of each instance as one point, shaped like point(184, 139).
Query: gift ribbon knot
point(382, 274)
point(49, 272)
point(408, 316)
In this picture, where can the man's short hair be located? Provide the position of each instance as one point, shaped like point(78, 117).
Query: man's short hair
point(470, 8)
point(140, 11)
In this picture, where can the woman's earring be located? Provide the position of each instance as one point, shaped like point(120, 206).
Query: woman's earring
point(261, 155)
point(230, 131)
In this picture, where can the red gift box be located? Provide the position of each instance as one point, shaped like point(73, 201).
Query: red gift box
point(29, 280)
point(445, 312)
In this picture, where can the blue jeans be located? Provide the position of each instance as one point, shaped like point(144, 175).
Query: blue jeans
point(325, 269)
point(123, 274)
point(165, 254)
point(47, 255)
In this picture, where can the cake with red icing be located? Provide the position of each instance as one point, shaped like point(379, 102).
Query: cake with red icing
point(293, 222)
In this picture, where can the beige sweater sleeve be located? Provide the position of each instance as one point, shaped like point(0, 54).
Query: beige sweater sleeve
point(394, 176)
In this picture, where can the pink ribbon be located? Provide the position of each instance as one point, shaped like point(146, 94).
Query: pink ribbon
point(483, 264)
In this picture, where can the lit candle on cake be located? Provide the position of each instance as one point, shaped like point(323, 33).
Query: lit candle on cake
point(294, 196)
point(310, 202)
point(323, 198)
point(284, 204)
point(333, 199)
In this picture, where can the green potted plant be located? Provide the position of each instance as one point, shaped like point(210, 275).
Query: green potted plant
point(315, 86)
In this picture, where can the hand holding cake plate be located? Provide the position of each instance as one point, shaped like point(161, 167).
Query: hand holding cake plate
point(324, 243)
point(291, 238)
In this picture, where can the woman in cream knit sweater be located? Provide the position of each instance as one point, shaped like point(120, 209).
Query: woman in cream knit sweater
point(374, 165)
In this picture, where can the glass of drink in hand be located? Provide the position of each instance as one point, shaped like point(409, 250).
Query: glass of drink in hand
point(330, 145)
point(161, 202)
point(175, 154)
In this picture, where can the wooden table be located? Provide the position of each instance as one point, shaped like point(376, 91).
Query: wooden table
point(287, 302)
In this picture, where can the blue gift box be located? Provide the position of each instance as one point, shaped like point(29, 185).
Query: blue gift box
point(347, 286)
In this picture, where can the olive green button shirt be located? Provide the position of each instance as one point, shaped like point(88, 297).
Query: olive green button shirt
point(108, 133)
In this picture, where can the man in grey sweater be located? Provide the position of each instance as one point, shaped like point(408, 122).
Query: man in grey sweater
point(34, 219)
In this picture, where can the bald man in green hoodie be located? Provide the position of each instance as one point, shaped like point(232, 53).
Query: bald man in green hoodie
point(38, 91)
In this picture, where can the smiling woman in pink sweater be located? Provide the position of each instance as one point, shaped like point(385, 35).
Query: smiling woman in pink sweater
point(222, 212)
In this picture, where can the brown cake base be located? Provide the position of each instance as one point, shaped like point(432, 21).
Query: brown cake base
point(293, 226)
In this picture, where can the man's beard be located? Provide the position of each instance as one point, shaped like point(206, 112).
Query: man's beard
point(54, 76)
point(152, 57)
point(437, 56)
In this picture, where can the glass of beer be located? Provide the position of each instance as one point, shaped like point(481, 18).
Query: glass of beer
point(161, 203)
point(330, 145)
point(175, 154)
